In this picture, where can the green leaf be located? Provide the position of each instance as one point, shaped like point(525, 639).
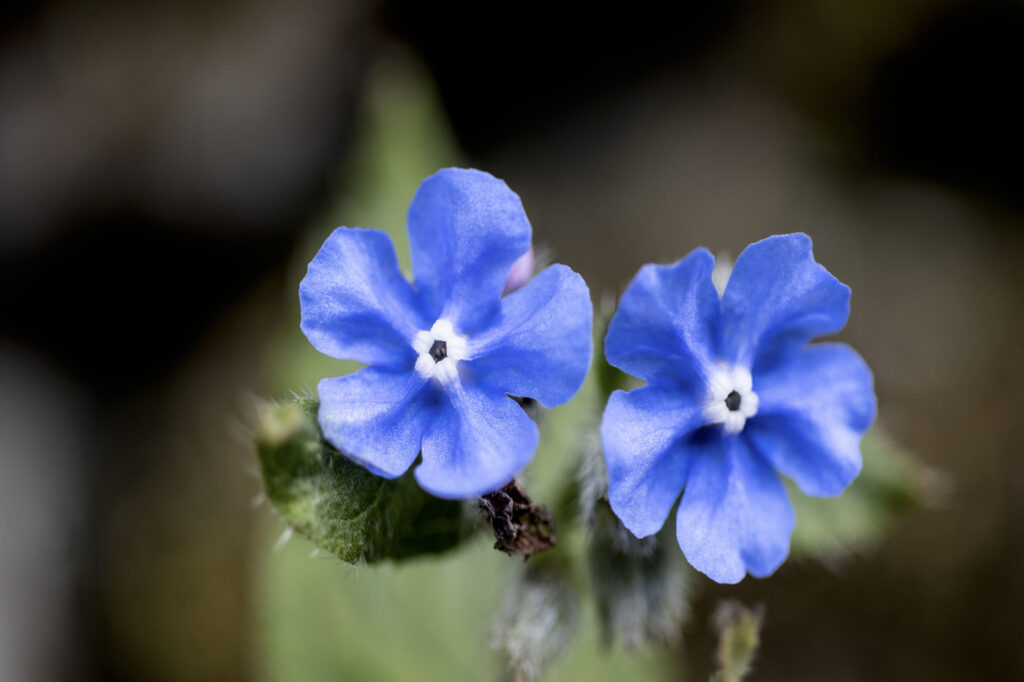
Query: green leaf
point(342, 507)
point(890, 483)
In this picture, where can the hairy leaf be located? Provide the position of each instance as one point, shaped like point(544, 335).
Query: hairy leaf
point(339, 505)
point(890, 483)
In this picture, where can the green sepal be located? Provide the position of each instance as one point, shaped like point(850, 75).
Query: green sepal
point(739, 634)
point(539, 618)
point(641, 587)
point(342, 507)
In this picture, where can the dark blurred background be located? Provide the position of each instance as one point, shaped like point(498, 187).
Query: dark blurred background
point(165, 165)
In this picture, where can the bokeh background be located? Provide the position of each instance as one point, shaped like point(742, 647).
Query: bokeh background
point(168, 168)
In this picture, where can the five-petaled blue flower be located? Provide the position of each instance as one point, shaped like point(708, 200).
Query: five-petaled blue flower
point(445, 353)
point(734, 396)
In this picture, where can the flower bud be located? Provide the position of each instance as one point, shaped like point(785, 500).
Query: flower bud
point(520, 272)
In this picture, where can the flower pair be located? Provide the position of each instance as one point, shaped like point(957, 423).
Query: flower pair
point(734, 393)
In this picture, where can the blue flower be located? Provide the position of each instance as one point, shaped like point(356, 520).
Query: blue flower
point(446, 352)
point(734, 396)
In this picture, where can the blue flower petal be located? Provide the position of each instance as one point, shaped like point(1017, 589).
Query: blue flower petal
point(541, 345)
point(778, 295)
point(377, 417)
point(815, 404)
point(466, 229)
point(734, 517)
point(666, 324)
point(356, 304)
point(478, 443)
point(643, 437)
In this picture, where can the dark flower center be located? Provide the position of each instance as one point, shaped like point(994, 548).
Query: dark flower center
point(732, 401)
point(439, 351)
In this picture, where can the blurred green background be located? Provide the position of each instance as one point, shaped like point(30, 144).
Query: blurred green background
point(168, 169)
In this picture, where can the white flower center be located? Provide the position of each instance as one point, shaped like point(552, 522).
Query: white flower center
point(439, 351)
point(731, 400)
